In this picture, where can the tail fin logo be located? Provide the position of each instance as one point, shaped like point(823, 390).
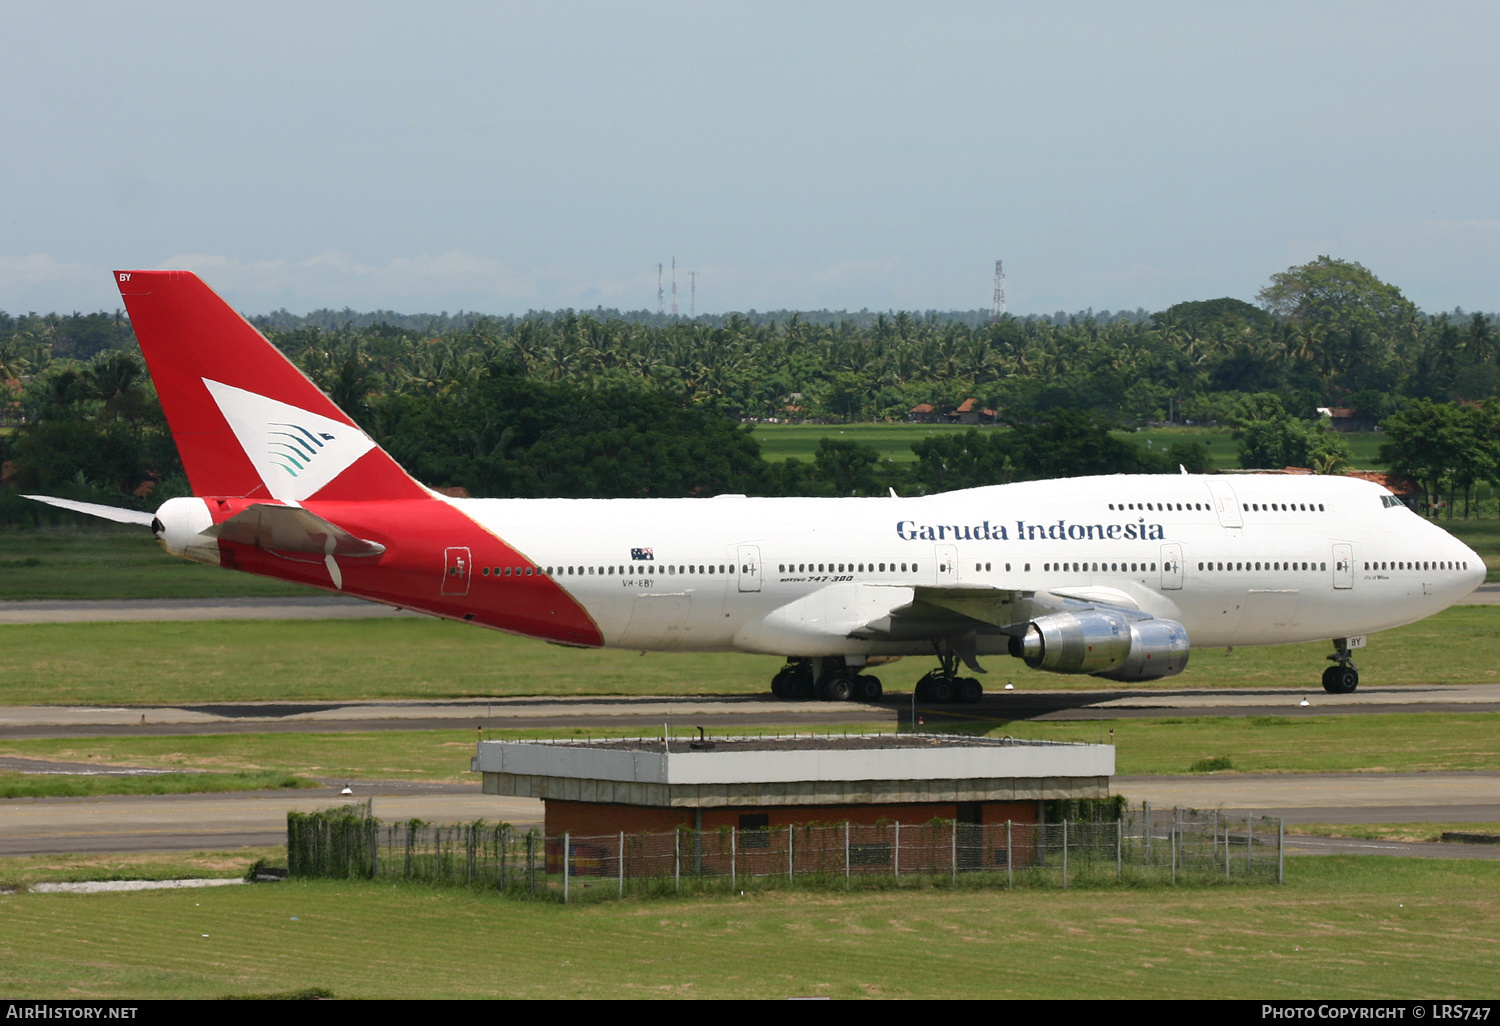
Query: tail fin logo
point(295, 452)
point(298, 447)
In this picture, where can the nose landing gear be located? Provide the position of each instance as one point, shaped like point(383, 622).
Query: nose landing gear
point(1341, 678)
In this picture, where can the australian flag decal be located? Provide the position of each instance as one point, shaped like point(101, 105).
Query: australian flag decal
point(640, 555)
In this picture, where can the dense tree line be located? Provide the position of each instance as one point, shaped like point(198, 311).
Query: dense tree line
point(607, 404)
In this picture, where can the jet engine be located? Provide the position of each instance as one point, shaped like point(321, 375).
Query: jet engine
point(1158, 648)
point(1103, 643)
point(178, 526)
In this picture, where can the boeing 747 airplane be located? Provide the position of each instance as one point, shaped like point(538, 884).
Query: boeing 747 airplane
point(1119, 576)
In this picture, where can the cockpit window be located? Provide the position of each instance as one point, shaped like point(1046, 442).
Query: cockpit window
point(1390, 501)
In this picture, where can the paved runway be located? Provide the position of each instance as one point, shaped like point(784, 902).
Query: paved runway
point(131, 823)
point(216, 822)
point(646, 714)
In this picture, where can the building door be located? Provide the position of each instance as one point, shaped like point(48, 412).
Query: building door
point(456, 568)
point(749, 567)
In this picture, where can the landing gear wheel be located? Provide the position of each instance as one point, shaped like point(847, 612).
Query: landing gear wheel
point(941, 690)
point(970, 691)
point(837, 689)
point(782, 685)
point(1340, 680)
point(924, 686)
point(867, 688)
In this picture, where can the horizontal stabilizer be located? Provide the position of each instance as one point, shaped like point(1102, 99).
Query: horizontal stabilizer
point(93, 509)
point(291, 529)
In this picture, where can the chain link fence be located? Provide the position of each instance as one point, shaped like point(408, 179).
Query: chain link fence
point(1144, 846)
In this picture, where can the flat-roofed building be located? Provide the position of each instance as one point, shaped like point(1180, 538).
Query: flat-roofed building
point(644, 785)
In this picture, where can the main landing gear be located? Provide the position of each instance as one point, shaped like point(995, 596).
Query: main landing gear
point(826, 679)
point(943, 685)
point(1341, 678)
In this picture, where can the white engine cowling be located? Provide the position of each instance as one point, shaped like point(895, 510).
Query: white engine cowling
point(178, 527)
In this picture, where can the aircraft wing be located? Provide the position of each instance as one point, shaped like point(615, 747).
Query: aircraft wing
point(960, 614)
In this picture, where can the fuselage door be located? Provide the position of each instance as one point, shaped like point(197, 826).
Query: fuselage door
point(456, 568)
point(1343, 566)
point(947, 563)
point(1171, 567)
point(1225, 502)
point(749, 567)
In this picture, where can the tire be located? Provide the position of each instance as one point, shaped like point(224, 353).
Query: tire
point(970, 691)
point(941, 690)
point(1340, 680)
point(867, 688)
point(839, 689)
point(781, 686)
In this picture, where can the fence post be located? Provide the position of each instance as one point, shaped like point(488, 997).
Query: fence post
point(1281, 851)
point(374, 829)
point(1010, 872)
point(1146, 815)
point(953, 846)
point(733, 876)
point(1250, 845)
point(677, 860)
point(896, 853)
point(531, 858)
point(846, 853)
point(791, 871)
point(622, 863)
point(1172, 833)
point(1065, 853)
point(1226, 852)
point(566, 858)
point(1119, 850)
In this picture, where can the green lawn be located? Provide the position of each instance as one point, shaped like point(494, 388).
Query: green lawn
point(1396, 742)
point(259, 660)
point(1373, 743)
point(79, 785)
point(113, 563)
point(783, 441)
point(1342, 927)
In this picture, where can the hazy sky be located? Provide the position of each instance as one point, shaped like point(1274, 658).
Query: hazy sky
point(501, 157)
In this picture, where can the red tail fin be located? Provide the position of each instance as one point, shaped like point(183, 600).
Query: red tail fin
point(246, 421)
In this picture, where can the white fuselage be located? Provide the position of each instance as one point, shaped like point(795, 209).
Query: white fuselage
point(1251, 560)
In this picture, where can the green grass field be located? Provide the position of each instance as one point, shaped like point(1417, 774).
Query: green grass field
point(1394, 742)
point(260, 660)
point(1342, 927)
point(78, 785)
point(785, 441)
point(111, 563)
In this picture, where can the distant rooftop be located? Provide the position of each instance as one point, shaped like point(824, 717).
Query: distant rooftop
point(796, 743)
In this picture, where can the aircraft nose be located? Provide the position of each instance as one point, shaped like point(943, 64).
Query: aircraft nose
point(1476, 570)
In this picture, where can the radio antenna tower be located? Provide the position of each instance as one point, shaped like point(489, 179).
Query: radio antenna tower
point(692, 293)
point(661, 305)
point(998, 311)
point(674, 286)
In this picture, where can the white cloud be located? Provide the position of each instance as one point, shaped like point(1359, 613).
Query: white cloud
point(25, 272)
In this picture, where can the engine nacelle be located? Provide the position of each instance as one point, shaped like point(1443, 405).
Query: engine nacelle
point(177, 526)
point(1085, 642)
point(1158, 648)
point(1104, 644)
